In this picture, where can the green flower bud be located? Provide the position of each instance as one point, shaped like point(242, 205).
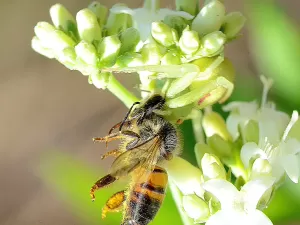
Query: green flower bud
point(212, 167)
point(88, 26)
point(108, 50)
point(67, 57)
point(176, 22)
point(251, 132)
point(212, 44)
point(63, 19)
point(164, 34)
point(201, 149)
point(130, 59)
point(213, 123)
point(170, 58)
point(191, 6)
point(152, 54)
point(129, 39)
point(189, 41)
point(100, 80)
point(87, 53)
point(196, 208)
point(186, 177)
point(51, 38)
point(220, 147)
point(210, 18)
point(100, 11)
point(233, 23)
point(117, 22)
point(37, 46)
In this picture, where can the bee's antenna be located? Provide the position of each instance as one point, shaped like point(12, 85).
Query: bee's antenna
point(127, 114)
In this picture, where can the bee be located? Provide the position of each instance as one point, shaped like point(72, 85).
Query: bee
point(147, 140)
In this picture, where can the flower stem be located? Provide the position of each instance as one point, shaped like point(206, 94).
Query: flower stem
point(177, 196)
point(121, 92)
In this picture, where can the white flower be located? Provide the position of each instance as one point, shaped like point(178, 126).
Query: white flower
point(282, 154)
point(238, 207)
point(266, 115)
point(143, 17)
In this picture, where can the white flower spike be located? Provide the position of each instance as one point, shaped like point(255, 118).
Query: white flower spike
point(238, 207)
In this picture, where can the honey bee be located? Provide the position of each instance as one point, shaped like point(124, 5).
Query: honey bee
point(147, 140)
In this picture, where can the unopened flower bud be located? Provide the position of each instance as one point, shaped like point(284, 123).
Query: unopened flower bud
point(212, 167)
point(100, 80)
point(130, 59)
point(176, 22)
point(251, 131)
point(108, 50)
point(164, 34)
point(201, 149)
point(210, 18)
point(191, 6)
point(87, 53)
point(37, 46)
point(151, 54)
point(51, 38)
point(196, 208)
point(67, 57)
point(88, 26)
point(129, 40)
point(170, 58)
point(189, 41)
point(212, 44)
point(221, 147)
point(62, 18)
point(213, 123)
point(100, 11)
point(186, 177)
point(117, 22)
point(233, 23)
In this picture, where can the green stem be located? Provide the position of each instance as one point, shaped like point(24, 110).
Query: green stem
point(121, 92)
point(196, 117)
point(177, 196)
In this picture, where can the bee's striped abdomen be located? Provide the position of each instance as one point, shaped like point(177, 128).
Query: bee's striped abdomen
point(146, 198)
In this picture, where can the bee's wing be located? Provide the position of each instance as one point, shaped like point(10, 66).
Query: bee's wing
point(142, 157)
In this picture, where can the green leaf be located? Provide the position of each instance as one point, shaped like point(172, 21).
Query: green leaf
point(276, 46)
point(71, 179)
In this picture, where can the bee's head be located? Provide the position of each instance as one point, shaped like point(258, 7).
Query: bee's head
point(154, 102)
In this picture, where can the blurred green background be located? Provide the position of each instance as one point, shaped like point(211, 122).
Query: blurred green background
point(49, 114)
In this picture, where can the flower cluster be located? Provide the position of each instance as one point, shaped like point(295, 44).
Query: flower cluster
point(179, 53)
point(259, 146)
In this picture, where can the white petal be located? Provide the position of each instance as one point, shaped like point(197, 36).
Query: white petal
point(257, 217)
point(291, 146)
point(232, 123)
point(290, 164)
point(253, 191)
point(226, 217)
point(223, 190)
point(243, 108)
point(249, 150)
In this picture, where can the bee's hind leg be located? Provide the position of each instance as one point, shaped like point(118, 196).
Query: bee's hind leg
point(114, 203)
point(101, 183)
point(115, 153)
